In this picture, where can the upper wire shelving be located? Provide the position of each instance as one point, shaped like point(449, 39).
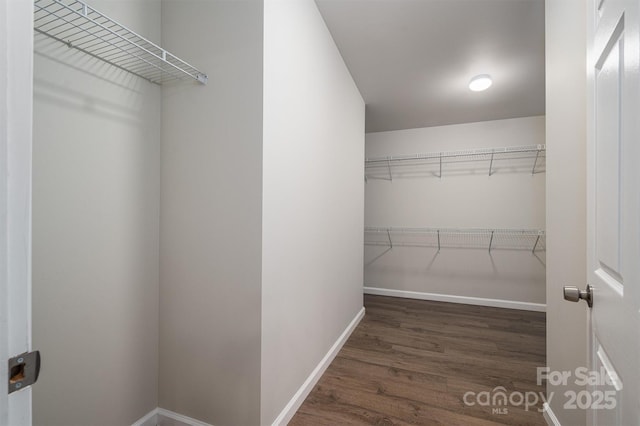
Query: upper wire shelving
point(478, 238)
point(80, 26)
point(529, 157)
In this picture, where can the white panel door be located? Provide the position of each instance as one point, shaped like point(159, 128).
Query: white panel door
point(613, 397)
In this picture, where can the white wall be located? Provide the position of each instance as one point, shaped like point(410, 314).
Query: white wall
point(96, 176)
point(466, 198)
point(312, 199)
point(150, 238)
point(210, 298)
point(566, 193)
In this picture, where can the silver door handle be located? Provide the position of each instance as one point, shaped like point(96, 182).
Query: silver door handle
point(574, 294)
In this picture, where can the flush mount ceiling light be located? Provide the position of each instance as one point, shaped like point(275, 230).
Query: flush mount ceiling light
point(480, 82)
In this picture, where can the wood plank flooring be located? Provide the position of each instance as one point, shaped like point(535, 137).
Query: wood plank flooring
point(412, 361)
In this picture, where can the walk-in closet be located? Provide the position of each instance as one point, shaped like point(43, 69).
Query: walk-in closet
point(304, 212)
point(467, 194)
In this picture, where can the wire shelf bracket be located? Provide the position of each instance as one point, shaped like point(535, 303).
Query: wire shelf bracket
point(79, 26)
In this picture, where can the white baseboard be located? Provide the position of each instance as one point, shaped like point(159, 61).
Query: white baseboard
point(496, 303)
point(298, 398)
point(149, 419)
point(178, 419)
point(549, 415)
point(160, 416)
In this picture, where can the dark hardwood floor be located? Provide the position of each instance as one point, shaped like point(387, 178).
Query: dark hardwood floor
point(412, 362)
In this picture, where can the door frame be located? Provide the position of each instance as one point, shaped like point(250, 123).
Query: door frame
point(16, 107)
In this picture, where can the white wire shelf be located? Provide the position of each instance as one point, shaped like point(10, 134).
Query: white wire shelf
point(80, 26)
point(518, 158)
point(476, 238)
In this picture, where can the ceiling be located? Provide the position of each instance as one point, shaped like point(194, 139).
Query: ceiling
point(412, 59)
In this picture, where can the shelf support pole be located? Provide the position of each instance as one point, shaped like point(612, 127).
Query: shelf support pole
point(438, 241)
point(440, 166)
point(535, 244)
point(491, 241)
point(389, 236)
point(389, 167)
point(535, 162)
point(491, 164)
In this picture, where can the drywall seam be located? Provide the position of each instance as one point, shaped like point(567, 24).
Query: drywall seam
point(298, 398)
point(480, 301)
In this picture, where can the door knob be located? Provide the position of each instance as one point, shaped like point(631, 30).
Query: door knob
point(574, 294)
